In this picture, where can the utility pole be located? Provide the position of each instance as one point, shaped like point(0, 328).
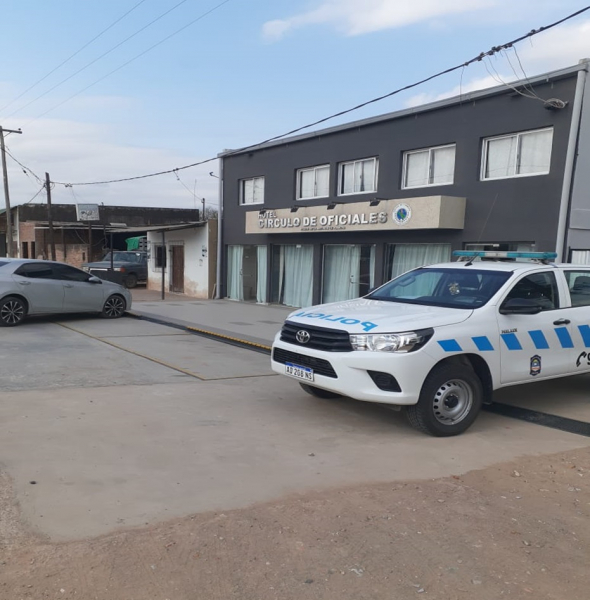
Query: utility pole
point(9, 242)
point(50, 216)
point(204, 215)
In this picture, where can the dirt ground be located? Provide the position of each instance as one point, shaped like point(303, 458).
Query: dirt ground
point(516, 530)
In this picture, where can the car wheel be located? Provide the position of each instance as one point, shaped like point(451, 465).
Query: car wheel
point(319, 392)
point(13, 310)
point(449, 402)
point(113, 308)
point(131, 280)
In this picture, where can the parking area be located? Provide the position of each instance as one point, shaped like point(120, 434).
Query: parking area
point(127, 422)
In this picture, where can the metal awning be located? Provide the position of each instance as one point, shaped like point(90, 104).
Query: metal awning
point(117, 228)
point(156, 228)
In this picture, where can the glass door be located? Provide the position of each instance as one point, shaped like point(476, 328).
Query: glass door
point(246, 273)
point(348, 271)
point(292, 275)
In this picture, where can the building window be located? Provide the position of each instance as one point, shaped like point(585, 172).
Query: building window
point(313, 182)
point(358, 177)
point(432, 166)
point(159, 257)
point(501, 246)
point(580, 257)
point(518, 155)
point(252, 190)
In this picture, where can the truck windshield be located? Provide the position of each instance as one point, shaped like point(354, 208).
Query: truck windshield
point(450, 288)
point(132, 257)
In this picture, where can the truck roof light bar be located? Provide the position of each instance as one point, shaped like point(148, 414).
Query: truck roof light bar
point(501, 254)
point(471, 255)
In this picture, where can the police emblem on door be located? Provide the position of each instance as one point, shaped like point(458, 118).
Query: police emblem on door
point(535, 365)
point(302, 336)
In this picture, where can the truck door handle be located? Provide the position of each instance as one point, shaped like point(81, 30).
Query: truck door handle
point(562, 322)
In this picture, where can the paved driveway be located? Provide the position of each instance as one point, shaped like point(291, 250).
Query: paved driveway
point(126, 422)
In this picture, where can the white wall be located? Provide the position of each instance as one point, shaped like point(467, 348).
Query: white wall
point(196, 263)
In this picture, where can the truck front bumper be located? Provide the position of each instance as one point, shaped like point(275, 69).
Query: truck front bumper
point(348, 373)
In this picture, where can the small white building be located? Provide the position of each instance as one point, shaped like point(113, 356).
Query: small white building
point(187, 255)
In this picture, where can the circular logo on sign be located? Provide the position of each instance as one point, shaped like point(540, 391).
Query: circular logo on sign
point(402, 213)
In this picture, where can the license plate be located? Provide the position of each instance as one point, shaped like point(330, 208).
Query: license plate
point(299, 372)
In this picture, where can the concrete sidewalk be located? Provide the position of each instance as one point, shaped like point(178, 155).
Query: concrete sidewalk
point(254, 323)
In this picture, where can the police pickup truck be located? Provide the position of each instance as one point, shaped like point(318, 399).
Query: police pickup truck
point(439, 340)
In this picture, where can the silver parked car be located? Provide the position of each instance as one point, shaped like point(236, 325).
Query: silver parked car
point(31, 287)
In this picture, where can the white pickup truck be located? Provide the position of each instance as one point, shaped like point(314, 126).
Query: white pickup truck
point(439, 340)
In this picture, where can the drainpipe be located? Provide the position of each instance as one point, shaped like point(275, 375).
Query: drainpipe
point(560, 244)
point(219, 232)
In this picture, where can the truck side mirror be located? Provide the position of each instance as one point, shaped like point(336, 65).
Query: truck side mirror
point(520, 306)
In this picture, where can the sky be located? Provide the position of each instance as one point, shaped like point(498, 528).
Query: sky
point(122, 88)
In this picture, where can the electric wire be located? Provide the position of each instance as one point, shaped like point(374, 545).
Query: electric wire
point(61, 64)
point(95, 61)
point(40, 190)
point(498, 78)
point(24, 167)
point(480, 57)
point(522, 69)
point(199, 18)
point(193, 194)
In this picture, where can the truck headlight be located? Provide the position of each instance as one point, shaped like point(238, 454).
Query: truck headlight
point(391, 342)
point(87, 269)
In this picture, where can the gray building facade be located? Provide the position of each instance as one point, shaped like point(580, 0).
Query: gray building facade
point(328, 215)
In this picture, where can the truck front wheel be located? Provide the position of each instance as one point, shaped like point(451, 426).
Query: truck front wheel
point(449, 402)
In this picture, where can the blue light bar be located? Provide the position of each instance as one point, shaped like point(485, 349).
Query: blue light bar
point(496, 254)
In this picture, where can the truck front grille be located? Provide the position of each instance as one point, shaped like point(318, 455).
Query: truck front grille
point(320, 338)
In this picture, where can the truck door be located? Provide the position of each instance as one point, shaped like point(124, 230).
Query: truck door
point(578, 283)
point(535, 346)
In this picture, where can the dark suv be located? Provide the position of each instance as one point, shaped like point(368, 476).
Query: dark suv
point(130, 267)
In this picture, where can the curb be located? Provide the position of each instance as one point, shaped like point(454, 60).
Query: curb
point(212, 335)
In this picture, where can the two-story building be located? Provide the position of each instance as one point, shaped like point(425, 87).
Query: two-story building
point(327, 215)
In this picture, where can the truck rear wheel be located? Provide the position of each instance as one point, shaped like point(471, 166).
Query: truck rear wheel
point(449, 402)
point(319, 392)
point(131, 281)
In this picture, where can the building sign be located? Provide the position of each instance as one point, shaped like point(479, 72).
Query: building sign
point(428, 212)
point(87, 212)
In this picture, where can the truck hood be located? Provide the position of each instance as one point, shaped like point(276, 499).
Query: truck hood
point(376, 316)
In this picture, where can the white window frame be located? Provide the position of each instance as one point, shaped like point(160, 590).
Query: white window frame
point(341, 166)
point(298, 195)
point(518, 135)
point(242, 183)
point(430, 151)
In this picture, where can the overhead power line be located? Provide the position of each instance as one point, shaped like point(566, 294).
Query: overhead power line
point(24, 167)
point(95, 61)
point(200, 17)
point(61, 64)
point(491, 52)
point(40, 190)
